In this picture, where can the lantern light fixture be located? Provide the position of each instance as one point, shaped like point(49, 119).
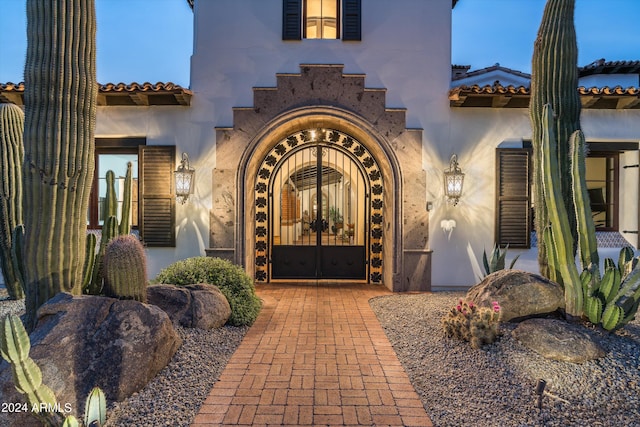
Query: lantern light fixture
point(184, 178)
point(453, 180)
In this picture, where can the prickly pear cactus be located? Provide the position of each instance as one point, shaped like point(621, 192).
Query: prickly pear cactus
point(11, 155)
point(60, 99)
point(125, 269)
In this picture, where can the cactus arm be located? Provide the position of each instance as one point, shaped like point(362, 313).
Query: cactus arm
point(610, 284)
point(96, 408)
point(552, 263)
point(625, 260)
point(125, 221)
point(89, 261)
point(584, 219)
point(110, 205)
point(559, 219)
point(11, 158)
point(612, 317)
point(16, 255)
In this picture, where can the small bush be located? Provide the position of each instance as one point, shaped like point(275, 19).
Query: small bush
point(232, 280)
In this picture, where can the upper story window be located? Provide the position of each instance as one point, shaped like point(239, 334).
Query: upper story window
point(321, 19)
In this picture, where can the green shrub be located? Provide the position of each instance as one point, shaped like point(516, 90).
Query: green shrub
point(232, 280)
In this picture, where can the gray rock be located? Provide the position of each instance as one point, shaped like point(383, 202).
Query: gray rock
point(520, 294)
point(84, 341)
point(558, 340)
point(193, 306)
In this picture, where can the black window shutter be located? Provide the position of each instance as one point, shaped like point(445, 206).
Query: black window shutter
point(351, 20)
point(513, 197)
point(291, 19)
point(157, 201)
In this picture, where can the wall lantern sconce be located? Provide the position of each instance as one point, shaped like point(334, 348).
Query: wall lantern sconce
point(453, 180)
point(184, 178)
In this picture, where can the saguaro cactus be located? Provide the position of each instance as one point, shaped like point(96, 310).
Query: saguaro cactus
point(11, 156)
point(554, 81)
point(60, 108)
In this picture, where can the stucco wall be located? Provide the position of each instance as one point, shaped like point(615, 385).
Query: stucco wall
point(405, 49)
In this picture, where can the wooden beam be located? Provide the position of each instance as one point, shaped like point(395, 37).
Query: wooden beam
point(13, 97)
point(627, 102)
point(140, 98)
point(589, 100)
point(500, 101)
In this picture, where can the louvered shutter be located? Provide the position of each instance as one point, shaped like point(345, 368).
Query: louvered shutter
point(291, 19)
point(351, 20)
point(157, 201)
point(513, 197)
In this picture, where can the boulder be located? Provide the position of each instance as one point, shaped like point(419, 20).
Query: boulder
point(84, 341)
point(520, 294)
point(558, 340)
point(193, 306)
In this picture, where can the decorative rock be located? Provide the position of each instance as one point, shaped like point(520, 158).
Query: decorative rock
point(520, 294)
point(84, 341)
point(193, 306)
point(558, 340)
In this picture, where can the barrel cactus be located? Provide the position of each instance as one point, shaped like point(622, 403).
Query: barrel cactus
point(60, 108)
point(125, 269)
point(11, 155)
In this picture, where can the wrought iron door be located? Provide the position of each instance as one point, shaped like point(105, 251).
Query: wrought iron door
point(318, 211)
point(318, 200)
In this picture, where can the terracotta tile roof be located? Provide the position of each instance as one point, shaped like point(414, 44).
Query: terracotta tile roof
point(117, 94)
point(498, 96)
point(601, 66)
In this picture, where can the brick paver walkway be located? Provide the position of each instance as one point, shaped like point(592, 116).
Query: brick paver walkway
point(316, 355)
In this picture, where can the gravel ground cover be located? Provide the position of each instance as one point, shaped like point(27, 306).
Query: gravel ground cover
point(460, 386)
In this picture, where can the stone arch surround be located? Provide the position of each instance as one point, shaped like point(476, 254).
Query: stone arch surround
point(321, 96)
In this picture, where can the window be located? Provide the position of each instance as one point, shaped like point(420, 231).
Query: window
point(321, 19)
point(153, 201)
point(602, 183)
point(514, 211)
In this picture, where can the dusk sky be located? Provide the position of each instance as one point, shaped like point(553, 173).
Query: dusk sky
point(151, 40)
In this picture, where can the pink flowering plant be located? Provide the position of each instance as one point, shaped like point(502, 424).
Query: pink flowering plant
point(469, 322)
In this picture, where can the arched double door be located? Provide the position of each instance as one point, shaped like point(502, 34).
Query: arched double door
point(319, 209)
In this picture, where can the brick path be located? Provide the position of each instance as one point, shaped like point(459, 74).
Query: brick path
point(316, 355)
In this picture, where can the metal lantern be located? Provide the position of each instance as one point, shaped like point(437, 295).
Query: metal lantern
point(184, 178)
point(453, 180)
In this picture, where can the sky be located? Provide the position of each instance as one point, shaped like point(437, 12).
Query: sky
point(151, 40)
